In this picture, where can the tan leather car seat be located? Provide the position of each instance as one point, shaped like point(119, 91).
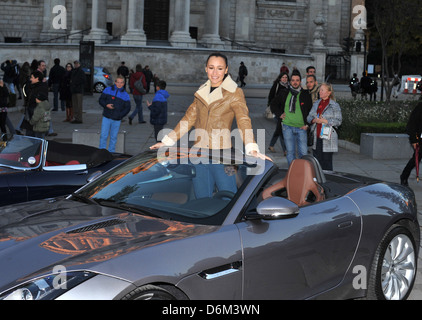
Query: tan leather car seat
point(300, 183)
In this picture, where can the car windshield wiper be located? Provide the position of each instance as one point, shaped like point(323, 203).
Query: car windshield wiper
point(133, 208)
point(79, 197)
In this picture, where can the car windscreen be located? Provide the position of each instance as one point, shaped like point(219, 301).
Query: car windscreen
point(184, 189)
point(21, 152)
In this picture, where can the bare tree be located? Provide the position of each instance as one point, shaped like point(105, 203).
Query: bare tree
point(396, 23)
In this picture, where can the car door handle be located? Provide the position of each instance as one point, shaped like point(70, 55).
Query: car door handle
point(345, 224)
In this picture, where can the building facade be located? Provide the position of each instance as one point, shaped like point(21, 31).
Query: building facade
point(289, 27)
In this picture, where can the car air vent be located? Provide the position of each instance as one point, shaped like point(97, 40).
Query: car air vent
point(96, 226)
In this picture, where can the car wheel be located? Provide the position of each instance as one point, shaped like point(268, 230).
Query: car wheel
point(99, 87)
point(394, 268)
point(151, 292)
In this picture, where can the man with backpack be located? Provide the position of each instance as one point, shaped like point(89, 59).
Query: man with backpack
point(137, 78)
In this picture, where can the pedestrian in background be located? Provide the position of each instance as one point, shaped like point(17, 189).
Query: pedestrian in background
point(116, 104)
point(280, 85)
point(414, 130)
point(325, 116)
point(41, 118)
point(293, 107)
point(158, 108)
point(77, 88)
point(137, 96)
point(66, 94)
point(4, 97)
point(148, 77)
point(55, 77)
point(243, 72)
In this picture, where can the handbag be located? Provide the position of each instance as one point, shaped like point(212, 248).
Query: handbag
point(139, 86)
point(268, 114)
point(326, 131)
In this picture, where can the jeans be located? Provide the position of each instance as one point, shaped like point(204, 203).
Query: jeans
point(296, 141)
point(109, 127)
point(138, 108)
point(210, 175)
point(11, 87)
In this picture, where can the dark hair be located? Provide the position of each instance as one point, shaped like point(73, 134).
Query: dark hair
point(162, 84)
point(310, 67)
point(296, 73)
point(311, 76)
point(281, 76)
point(38, 74)
point(138, 68)
point(57, 61)
point(218, 54)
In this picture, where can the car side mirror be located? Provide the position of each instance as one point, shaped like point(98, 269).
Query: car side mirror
point(275, 208)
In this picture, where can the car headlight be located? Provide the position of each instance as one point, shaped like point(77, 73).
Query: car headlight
point(48, 287)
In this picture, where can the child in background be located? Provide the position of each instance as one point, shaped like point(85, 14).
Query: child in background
point(158, 108)
point(4, 95)
point(40, 120)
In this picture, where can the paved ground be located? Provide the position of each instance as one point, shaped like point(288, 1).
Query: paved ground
point(140, 136)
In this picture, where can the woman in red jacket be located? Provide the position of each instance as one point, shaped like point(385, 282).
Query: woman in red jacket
point(137, 96)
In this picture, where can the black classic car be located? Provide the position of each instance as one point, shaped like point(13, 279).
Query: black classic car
point(33, 168)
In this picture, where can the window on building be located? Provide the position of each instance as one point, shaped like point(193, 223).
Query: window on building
point(13, 39)
point(278, 50)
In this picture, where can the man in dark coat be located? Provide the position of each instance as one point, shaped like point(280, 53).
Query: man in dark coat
point(54, 79)
point(77, 87)
point(414, 130)
point(243, 72)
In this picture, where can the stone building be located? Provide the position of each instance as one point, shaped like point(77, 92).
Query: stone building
point(285, 28)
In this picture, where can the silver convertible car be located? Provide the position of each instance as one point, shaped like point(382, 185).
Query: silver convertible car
point(183, 224)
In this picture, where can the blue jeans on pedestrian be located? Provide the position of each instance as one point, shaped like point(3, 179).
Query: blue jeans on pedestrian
point(11, 87)
point(210, 175)
point(138, 108)
point(296, 141)
point(109, 127)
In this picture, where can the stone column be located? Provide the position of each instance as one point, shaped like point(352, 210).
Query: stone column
point(78, 21)
point(211, 37)
point(98, 32)
point(245, 21)
point(135, 34)
point(318, 50)
point(224, 28)
point(180, 37)
point(53, 26)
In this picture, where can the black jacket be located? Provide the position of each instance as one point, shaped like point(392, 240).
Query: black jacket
point(4, 96)
point(414, 125)
point(34, 90)
point(77, 80)
point(278, 103)
point(56, 74)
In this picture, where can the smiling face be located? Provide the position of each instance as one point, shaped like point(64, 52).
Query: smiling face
point(216, 70)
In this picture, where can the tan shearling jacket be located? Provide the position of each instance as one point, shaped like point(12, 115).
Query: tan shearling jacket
point(212, 115)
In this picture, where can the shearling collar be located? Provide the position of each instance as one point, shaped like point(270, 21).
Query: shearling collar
point(210, 97)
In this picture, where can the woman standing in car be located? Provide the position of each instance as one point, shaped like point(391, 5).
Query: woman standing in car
point(216, 104)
